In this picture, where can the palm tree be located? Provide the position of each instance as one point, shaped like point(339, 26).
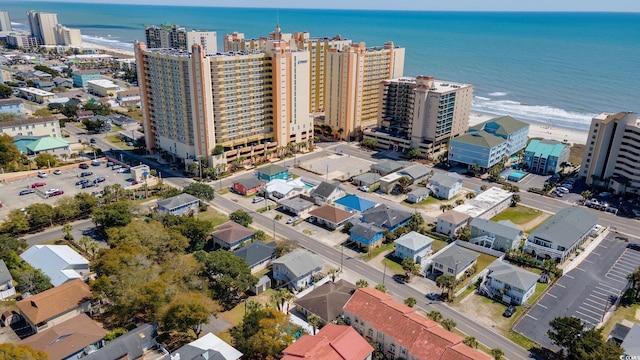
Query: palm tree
point(333, 273)
point(92, 247)
point(446, 207)
point(586, 195)
point(286, 299)
point(276, 299)
point(634, 279)
point(448, 324)
point(116, 189)
point(497, 353)
point(66, 229)
point(470, 341)
point(515, 199)
point(381, 288)
point(410, 301)
point(470, 195)
point(446, 283)
point(410, 267)
point(84, 242)
point(254, 306)
point(314, 321)
point(362, 283)
point(459, 202)
point(435, 316)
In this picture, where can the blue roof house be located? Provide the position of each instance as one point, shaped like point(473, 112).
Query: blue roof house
point(354, 203)
point(367, 235)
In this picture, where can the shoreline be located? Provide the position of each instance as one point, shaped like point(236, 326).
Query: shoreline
point(539, 130)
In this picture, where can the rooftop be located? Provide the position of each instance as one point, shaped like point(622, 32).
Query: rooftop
point(13, 101)
point(484, 202)
point(415, 171)
point(356, 203)
point(504, 125)
point(231, 232)
point(103, 83)
point(325, 189)
point(387, 166)
point(209, 347)
point(55, 301)
point(256, 252)
point(453, 217)
point(131, 345)
point(566, 226)
point(455, 255)
point(177, 201)
point(271, 169)
point(331, 213)
point(40, 120)
point(296, 203)
point(300, 262)
point(479, 138)
point(545, 148)
point(332, 342)
point(59, 262)
point(5, 275)
point(497, 228)
point(512, 275)
point(35, 91)
point(250, 183)
point(414, 240)
point(386, 216)
point(47, 143)
point(365, 230)
point(446, 179)
point(327, 300)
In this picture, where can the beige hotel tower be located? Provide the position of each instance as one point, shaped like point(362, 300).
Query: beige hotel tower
point(249, 103)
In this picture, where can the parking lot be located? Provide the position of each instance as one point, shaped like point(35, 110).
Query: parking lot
point(65, 181)
point(587, 291)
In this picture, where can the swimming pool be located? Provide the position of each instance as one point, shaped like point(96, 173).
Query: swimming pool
point(516, 176)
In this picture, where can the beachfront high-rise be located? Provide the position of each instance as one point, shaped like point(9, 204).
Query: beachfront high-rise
point(421, 113)
point(67, 37)
point(169, 36)
point(247, 103)
point(42, 27)
point(317, 48)
point(611, 153)
point(5, 22)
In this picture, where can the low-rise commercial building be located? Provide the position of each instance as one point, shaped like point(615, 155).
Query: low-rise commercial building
point(82, 77)
point(102, 87)
point(35, 95)
point(487, 204)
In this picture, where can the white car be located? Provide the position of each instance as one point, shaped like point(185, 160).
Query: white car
point(568, 186)
point(42, 174)
point(562, 190)
point(257, 199)
point(292, 220)
point(363, 188)
point(50, 191)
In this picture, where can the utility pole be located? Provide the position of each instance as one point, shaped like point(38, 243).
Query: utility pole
point(384, 274)
point(341, 256)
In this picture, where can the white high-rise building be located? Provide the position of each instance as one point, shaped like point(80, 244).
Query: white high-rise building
point(5, 22)
point(68, 37)
point(43, 26)
point(168, 36)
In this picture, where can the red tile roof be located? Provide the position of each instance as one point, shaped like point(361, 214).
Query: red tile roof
point(332, 342)
point(422, 337)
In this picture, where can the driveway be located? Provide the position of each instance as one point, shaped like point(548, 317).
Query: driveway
point(586, 292)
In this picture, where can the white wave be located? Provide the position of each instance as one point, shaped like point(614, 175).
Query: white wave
point(498, 93)
point(17, 24)
point(107, 42)
point(536, 113)
point(482, 98)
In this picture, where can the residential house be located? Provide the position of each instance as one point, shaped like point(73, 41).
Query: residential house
point(272, 172)
point(401, 332)
point(501, 235)
point(231, 235)
point(488, 143)
point(296, 205)
point(367, 235)
point(264, 283)
point(6, 282)
point(128, 97)
point(248, 186)
point(453, 260)
point(56, 305)
point(445, 185)
point(418, 195)
point(354, 203)
point(41, 75)
point(183, 204)
point(487, 204)
point(561, 235)
point(257, 254)
point(326, 301)
point(281, 189)
point(121, 120)
point(81, 77)
point(386, 217)
point(627, 335)
point(45, 85)
point(338, 342)
point(69, 340)
point(12, 105)
point(450, 222)
point(132, 345)
point(367, 179)
point(295, 270)
point(62, 82)
point(416, 173)
point(59, 262)
point(414, 246)
point(389, 182)
point(545, 156)
point(386, 167)
point(330, 216)
point(84, 114)
point(326, 193)
point(208, 346)
point(508, 283)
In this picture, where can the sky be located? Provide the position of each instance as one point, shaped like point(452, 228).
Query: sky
point(454, 5)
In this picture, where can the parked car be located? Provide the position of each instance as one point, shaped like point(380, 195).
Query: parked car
point(363, 188)
point(82, 181)
point(56, 193)
point(99, 180)
point(563, 190)
point(116, 167)
point(568, 186)
point(42, 174)
point(97, 193)
point(88, 185)
point(83, 166)
point(110, 163)
point(510, 311)
point(257, 199)
point(122, 170)
point(135, 182)
point(27, 192)
point(293, 219)
point(86, 173)
point(57, 172)
point(92, 140)
point(37, 185)
point(433, 296)
point(51, 191)
point(129, 143)
point(95, 162)
point(605, 194)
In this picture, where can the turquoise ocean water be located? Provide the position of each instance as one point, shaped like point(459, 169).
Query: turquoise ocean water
point(554, 68)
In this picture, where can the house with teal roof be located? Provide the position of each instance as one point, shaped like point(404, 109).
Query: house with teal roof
point(545, 156)
point(49, 145)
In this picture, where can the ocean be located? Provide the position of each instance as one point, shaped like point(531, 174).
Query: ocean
point(552, 68)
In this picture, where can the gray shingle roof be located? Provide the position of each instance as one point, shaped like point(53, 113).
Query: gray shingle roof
point(325, 189)
point(512, 275)
point(631, 343)
point(420, 191)
point(566, 226)
point(296, 203)
point(414, 240)
point(365, 230)
point(176, 201)
point(387, 166)
point(415, 171)
point(250, 183)
point(446, 179)
point(272, 169)
point(256, 252)
point(327, 300)
point(454, 254)
point(369, 178)
point(496, 228)
point(385, 215)
point(479, 138)
point(5, 275)
point(131, 344)
point(300, 262)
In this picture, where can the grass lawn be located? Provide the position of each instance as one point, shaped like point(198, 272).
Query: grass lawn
point(621, 313)
point(135, 114)
point(216, 217)
point(394, 264)
point(483, 261)
point(437, 245)
point(518, 215)
point(223, 191)
point(428, 201)
point(377, 251)
point(117, 141)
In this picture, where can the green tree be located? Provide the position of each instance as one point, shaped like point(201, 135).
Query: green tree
point(415, 223)
point(194, 229)
point(515, 199)
point(586, 195)
point(446, 283)
point(10, 248)
point(66, 230)
point(44, 160)
point(55, 107)
point(410, 268)
point(241, 217)
point(381, 288)
point(16, 223)
point(5, 91)
point(435, 316)
point(188, 312)
point(259, 235)
point(565, 331)
point(10, 156)
point(113, 215)
point(634, 280)
point(464, 233)
point(42, 112)
point(314, 320)
point(446, 207)
point(263, 333)
point(470, 341)
point(470, 195)
point(285, 246)
point(405, 182)
point(8, 116)
point(448, 324)
point(410, 301)
point(9, 351)
point(217, 150)
point(199, 190)
point(370, 143)
point(497, 353)
point(31, 280)
point(40, 215)
point(362, 283)
point(229, 275)
point(592, 346)
point(93, 125)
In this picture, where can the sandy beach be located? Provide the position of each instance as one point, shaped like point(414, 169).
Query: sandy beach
point(536, 130)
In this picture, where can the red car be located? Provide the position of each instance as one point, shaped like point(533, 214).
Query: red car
point(38, 184)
